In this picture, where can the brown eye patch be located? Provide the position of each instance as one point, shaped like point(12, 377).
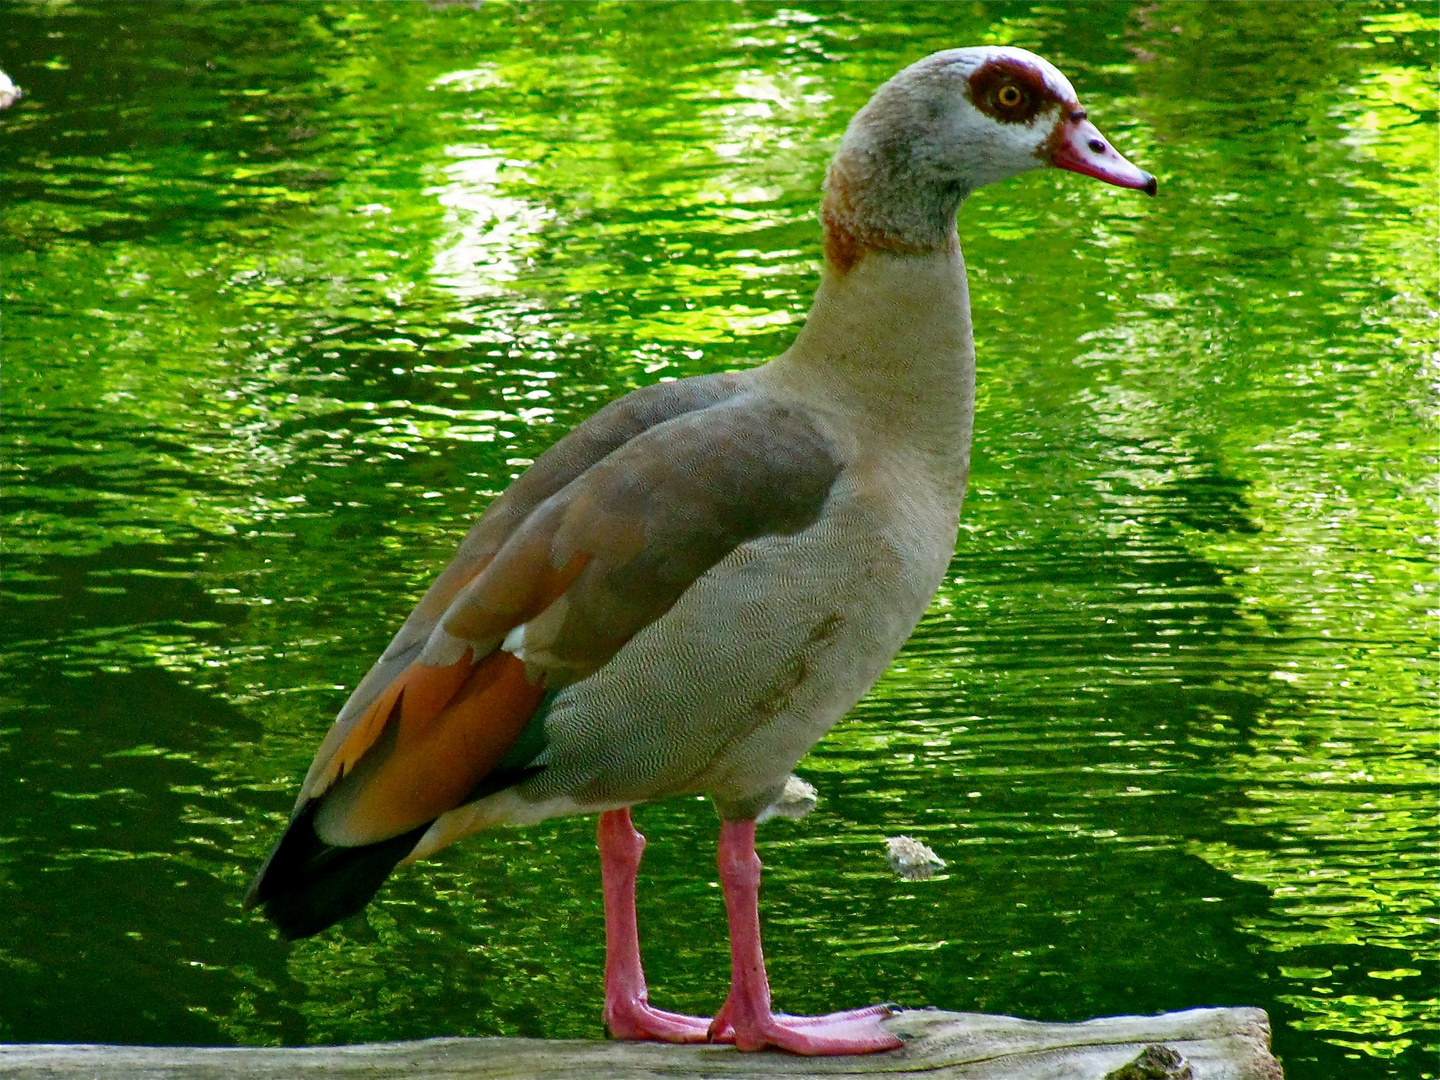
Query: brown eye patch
point(1010, 90)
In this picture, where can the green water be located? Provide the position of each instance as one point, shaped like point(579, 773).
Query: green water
point(290, 291)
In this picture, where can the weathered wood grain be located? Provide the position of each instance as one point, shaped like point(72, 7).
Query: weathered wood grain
point(1217, 1044)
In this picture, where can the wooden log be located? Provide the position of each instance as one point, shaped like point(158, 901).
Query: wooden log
point(1203, 1044)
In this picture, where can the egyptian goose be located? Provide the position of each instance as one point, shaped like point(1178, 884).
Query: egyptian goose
point(684, 593)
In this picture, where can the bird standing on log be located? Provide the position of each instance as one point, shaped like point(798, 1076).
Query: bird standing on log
point(687, 591)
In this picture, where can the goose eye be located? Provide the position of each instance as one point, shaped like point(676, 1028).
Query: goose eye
point(1009, 96)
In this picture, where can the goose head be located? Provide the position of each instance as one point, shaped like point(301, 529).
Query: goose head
point(945, 126)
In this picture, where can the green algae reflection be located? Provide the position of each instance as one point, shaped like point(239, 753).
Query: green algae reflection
point(290, 291)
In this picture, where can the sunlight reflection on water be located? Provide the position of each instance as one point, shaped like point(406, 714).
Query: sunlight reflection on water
point(274, 336)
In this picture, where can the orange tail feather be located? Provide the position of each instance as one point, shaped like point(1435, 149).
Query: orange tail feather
point(421, 691)
point(443, 747)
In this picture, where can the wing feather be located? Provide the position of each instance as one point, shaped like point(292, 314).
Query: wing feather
point(609, 429)
point(417, 771)
point(648, 521)
point(587, 568)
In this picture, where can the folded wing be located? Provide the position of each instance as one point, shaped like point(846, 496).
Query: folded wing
point(562, 571)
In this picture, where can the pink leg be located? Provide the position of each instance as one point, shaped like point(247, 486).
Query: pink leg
point(747, 1010)
point(628, 1014)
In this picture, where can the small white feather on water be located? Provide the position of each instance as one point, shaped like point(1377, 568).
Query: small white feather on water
point(911, 859)
point(797, 800)
point(9, 92)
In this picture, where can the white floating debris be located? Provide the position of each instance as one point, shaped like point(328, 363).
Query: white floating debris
point(9, 92)
point(797, 800)
point(911, 859)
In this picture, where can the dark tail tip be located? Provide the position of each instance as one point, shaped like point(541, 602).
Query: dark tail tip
point(307, 884)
